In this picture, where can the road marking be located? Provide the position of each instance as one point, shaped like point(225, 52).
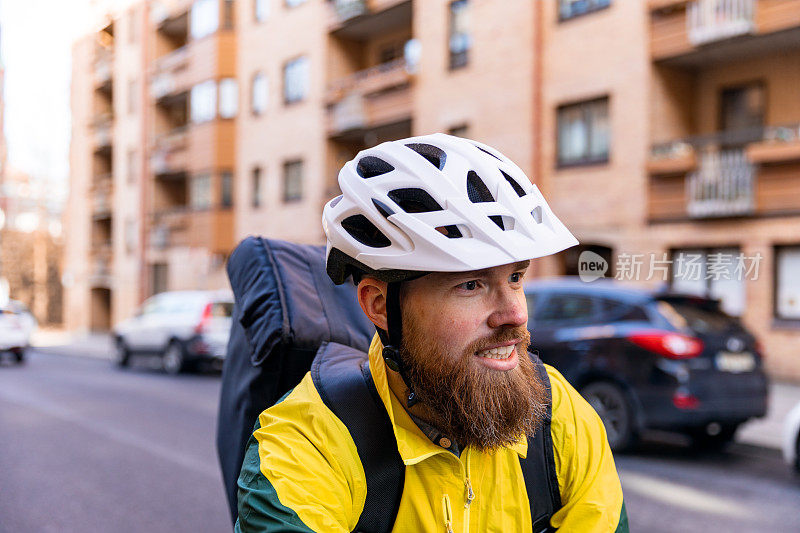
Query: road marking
point(682, 496)
point(115, 434)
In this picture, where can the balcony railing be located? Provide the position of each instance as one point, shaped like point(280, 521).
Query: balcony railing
point(722, 185)
point(103, 131)
point(101, 198)
point(169, 153)
point(347, 9)
point(715, 20)
point(171, 228)
point(167, 72)
point(350, 98)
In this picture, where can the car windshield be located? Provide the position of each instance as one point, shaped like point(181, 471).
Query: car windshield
point(222, 309)
point(697, 317)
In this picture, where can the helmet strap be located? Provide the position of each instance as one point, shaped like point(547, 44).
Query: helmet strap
point(393, 338)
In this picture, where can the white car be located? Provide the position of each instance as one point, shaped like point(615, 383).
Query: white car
point(15, 331)
point(791, 437)
point(181, 327)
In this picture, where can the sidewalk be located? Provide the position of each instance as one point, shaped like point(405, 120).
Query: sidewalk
point(766, 432)
point(56, 341)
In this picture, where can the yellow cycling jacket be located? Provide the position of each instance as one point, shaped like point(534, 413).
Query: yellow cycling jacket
point(302, 472)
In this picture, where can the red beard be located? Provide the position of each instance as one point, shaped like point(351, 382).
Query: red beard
point(470, 403)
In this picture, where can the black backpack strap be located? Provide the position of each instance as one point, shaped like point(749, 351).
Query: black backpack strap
point(343, 380)
point(539, 466)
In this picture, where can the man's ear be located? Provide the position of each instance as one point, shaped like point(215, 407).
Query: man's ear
point(372, 298)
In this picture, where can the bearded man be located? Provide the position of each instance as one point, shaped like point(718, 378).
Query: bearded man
point(438, 233)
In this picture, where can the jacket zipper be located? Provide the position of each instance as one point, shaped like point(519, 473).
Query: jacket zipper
point(470, 493)
point(448, 514)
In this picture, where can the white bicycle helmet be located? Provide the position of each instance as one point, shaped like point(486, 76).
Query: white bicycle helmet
point(435, 203)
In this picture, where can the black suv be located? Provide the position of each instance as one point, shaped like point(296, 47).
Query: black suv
point(649, 360)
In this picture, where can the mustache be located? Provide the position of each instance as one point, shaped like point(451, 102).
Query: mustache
point(516, 333)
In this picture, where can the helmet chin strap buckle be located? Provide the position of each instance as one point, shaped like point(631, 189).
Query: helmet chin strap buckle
point(392, 358)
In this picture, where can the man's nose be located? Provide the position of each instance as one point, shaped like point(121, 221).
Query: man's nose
point(510, 309)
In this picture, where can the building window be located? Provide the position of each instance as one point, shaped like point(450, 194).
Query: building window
point(228, 98)
point(133, 93)
point(259, 93)
point(226, 189)
point(260, 10)
point(462, 130)
point(200, 191)
point(255, 197)
point(583, 133)
point(568, 9)
point(710, 273)
point(295, 80)
point(203, 101)
point(292, 181)
point(204, 18)
point(787, 283)
point(158, 278)
point(459, 41)
point(742, 111)
point(132, 167)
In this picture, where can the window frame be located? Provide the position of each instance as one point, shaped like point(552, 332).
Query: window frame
point(266, 9)
point(777, 319)
point(256, 173)
point(706, 251)
point(594, 9)
point(226, 189)
point(284, 194)
point(457, 60)
point(259, 75)
point(586, 160)
point(307, 86)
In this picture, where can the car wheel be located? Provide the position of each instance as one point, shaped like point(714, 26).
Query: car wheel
point(20, 356)
point(614, 409)
point(702, 440)
point(174, 358)
point(122, 354)
point(797, 453)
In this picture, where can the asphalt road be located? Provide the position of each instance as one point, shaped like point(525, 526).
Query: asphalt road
point(87, 447)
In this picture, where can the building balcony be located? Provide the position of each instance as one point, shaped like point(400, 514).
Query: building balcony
point(103, 69)
point(103, 132)
point(100, 261)
point(170, 74)
point(101, 198)
point(170, 153)
point(363, 19)
point(729, 174)
point(691, 33)
point(369, 98)
point(211, 229)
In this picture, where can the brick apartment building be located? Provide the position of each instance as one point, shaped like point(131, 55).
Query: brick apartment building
point(657, 127)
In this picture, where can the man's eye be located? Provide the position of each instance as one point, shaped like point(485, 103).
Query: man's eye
point(516, 277)
point(469, 285)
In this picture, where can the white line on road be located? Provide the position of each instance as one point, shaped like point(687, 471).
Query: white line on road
point(681, 495)
point(115, 434)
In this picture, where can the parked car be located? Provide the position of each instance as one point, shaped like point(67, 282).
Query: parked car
point(15, 332)
point(791, 438)
point(29, 322)
point(183, 328)
point(649, 360)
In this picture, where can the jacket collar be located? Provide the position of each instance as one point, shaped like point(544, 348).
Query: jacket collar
point(414, 446)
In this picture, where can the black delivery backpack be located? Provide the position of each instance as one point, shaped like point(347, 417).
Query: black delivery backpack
point(289, 319)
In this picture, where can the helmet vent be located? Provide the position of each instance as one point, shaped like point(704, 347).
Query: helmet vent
point(497, 219)
point(361, 229)
point(435, 155)
point(336, 200)
point(487, 152)
point(516, 186)
point(371, 166)
point(537, 214)
point(477, 190)
point(384, 209)
point(414, 200)
point(451, 231)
